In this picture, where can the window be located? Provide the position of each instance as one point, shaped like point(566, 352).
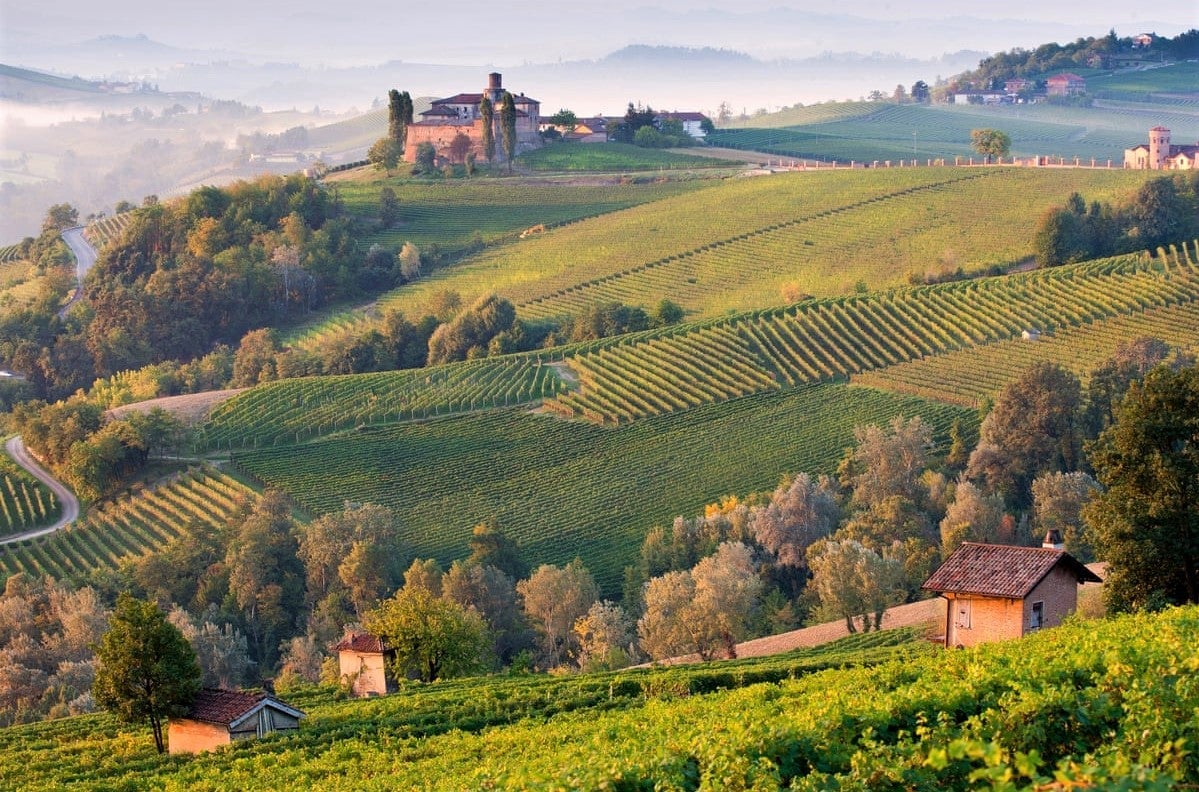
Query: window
point(962, 611)
point(1038, 616)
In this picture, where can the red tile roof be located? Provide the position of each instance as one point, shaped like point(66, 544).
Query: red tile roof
point(228, 707)
point(1002, 570)
point(362, 642)
point(460, 99)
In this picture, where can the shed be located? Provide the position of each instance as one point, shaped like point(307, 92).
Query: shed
point(219, 717)
point(364, 660)
point(996, 592)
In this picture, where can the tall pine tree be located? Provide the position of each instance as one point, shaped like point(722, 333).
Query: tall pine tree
point(487, 113)
point(508, 126)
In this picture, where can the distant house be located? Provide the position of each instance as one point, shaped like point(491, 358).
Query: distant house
point(1018, 85)
point(693, 123)
point(365, 660)
point(1031, 334)
point(220, 717)
point(996, 592)
point(1143, 40)
point(1065, 84)
point(1160, 154)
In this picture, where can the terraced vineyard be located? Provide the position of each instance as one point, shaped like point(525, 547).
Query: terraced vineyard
point(101, 232)
point(25, 502)
point(10, 253)
point(443, 476)
point(836, 338)
point(130, 528)
point(969, 376)
point(295, 410)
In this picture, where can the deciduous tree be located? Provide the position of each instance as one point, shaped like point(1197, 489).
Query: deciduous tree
point(990, 142)
point(147, 670)
point(433, 638)
point(554, 599)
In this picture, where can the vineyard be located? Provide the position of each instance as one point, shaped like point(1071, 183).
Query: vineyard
point(100, 232)
point(295, 410)
point(614, 157)
point(10, 253)
point(829, 339)
point(1088, 705)
point(564, 488)
point(970, 376)
point(128, 528)
point(25, 502)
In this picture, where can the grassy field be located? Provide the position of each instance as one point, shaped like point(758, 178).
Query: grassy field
point(619, 157)
point(1095, 705)
point(743, 244)
point(564, 488)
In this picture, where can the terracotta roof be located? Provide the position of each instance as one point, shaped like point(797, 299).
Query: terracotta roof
point(460, 99)
point(362, 642)
point(1002, 570)
point(1065, 77)
point(439, 110)
point(230, 707)
point(684, 116)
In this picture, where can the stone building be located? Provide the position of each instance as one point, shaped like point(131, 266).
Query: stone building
point(363, 659)
point(459, 114)
point(996, 592)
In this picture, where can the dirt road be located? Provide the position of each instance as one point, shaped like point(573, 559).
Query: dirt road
point(70, 504)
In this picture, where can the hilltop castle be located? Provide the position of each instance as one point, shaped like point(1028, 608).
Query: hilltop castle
point(1160, 155)
point(459, 114)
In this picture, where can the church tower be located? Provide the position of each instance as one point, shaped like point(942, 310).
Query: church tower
point(1159, 147)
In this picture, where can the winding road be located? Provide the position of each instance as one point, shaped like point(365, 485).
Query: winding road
point(85, 258)
point(70, 504)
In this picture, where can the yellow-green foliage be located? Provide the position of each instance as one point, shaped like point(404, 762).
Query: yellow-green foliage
point(1108, 704)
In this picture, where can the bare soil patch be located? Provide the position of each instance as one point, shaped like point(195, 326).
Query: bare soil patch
point(190, 407)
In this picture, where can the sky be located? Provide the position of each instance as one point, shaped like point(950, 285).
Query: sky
point(469, 32)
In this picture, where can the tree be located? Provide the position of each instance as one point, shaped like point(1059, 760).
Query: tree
point(605, 636)
point(887, 463)
point(385, 154)
point(899, 96)
point(389, 207)
point(854, 581)
point(663, 629)
point(148, 671)
point(920, 91)
point(727, 592)
point(800, 512)
point(487, 114)
point(1145, 524)
point(1109, 383)
point(399, 116)
point(491, 593)
point(564, 119)
point(459, 147)
point(1058, 500)
point(59, 217)
point(554, 599)
point(972, 517)
point(426, 157)
point(490, 547)
point(1032, 429)
point(990, 142)
point(433, 638)
point(508, 127)
point(409, 259)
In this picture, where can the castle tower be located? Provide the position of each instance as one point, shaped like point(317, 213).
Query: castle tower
point(495, 91)
point(1159, 147)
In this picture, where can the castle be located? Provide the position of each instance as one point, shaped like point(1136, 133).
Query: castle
point(459, 114)
point(1160, 155)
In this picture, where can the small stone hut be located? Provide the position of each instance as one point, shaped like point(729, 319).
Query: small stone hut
point(366, 661)
point(220, 717)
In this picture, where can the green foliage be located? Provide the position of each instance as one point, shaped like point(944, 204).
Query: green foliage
point(25, 503)
point(147, 670)
point(441, 477)
point(990, 142)
point(616, 157)
point(433, 638)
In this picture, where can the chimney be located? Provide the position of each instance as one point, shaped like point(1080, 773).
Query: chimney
point(1053, 540)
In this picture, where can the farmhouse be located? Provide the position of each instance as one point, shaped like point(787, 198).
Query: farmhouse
point(693, 123)
point(995, 592)
point(1159, 154)
point(459, 114)
point(1065, 84)
point(219, 717)
point(363, 659)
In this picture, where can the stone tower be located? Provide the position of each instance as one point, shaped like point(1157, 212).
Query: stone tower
point(495, 91)
point(1159, 147)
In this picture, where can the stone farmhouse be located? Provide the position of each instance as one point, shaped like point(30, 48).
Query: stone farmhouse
point(997, 592)
point(1065, 84)
point(220, 717)
point(363, 659)
point(1159, 154)
point(459, 114)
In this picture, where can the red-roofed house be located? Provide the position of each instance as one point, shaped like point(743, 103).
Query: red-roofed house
point(995, 592)
point(363, 659)
point(219, 717)
point(1065, 84)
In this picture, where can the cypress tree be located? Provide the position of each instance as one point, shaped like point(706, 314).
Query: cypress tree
point(508, 126)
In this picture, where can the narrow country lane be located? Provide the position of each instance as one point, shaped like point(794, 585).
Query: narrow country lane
point(85, 258)
point(70, 504)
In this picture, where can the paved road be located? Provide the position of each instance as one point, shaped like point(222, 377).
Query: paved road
point(70, 504)
point(85, 258)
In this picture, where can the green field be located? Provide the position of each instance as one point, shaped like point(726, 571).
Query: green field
point(744, 244)
point(563, 488)
point(128, 528)
point(1104, 705)
point(620, 157)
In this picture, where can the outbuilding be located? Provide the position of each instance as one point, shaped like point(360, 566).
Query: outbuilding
point(220, 717)
point(996, 592)
point(364, 660)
